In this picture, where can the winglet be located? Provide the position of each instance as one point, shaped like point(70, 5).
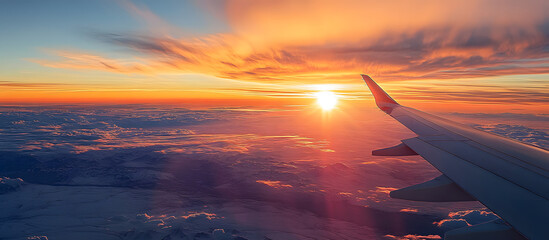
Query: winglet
point(383, 100)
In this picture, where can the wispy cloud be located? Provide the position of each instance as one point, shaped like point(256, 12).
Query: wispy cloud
point(483, 95)
point(28, 85)
point(82, 60)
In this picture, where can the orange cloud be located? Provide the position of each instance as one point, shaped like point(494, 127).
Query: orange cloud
point(413, 237)
point(274, 184)
point(385, 190)
point(464, 213)
point(452, 222)
point(413, 210)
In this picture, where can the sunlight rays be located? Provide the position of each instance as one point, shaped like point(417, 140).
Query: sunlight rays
point(326, 100)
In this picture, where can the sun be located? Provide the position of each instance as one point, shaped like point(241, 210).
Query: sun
point(326, 100)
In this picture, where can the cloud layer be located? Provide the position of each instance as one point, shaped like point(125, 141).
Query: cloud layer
point(320, 166)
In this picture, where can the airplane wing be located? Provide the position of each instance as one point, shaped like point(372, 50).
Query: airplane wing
point(509, 177)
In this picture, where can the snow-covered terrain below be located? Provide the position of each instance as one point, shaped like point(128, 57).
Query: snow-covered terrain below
point(82, 212)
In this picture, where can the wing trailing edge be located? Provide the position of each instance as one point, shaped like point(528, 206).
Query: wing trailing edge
point(496, 229)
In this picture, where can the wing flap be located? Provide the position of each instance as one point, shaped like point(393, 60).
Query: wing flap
point(398, 150)
point(439, 189)
point(474, 153)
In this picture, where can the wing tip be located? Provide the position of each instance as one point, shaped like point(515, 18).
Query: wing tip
point(366, 78)
point(380, 96)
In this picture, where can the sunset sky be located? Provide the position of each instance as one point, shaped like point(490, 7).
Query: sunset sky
point(249, 119)
point(450, 52)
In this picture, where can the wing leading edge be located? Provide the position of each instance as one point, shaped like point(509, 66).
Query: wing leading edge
point(508, 177)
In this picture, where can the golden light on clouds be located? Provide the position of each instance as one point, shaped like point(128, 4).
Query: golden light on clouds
point(327, 41)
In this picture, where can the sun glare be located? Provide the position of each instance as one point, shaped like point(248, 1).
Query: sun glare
point(326, 100)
